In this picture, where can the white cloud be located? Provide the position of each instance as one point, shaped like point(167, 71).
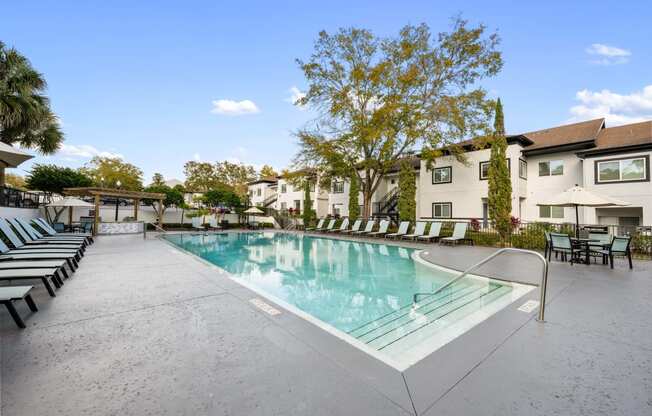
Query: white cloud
point(295, 95)
point(196, 157)
point(616, 108)
point(84, 151)
point(608, 55)
point(234, 108)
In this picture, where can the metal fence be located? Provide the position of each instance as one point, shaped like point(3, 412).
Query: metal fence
point(16, 198)
point(532, 235)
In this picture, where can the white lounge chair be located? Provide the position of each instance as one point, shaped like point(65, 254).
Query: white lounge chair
point(320, 224)
point(355, 228)
point(196, 224)
point(419, 230)
point(329, 227)
point(343, 226)
point(382, 229)
point(367, 229)
point(433, 233)
point(213, 224)
point(402, 230)
point(459, 235)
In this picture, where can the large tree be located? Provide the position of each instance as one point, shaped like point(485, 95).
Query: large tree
point(172, 198)
point(236, 175)
point(54, 179)
point(200, 176)
point(107, 171)
point(25, 115)
point(380, 98)
point(267, 172)
point(499, 196)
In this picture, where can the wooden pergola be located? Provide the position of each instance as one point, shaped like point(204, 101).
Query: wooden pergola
point(137, 196)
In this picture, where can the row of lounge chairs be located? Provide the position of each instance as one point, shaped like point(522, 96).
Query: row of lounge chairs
point(37, 252)
point(418, 234)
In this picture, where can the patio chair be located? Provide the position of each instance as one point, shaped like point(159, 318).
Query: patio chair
point(196, 224)
point(10, 294)
point(620, 247)
point(320, 224)
point(213, 224)
point(382, 229)
point(329, 227)
point(31, 240)
point(356, 227)
point(402, 230)
point(343, 226)
point(367, 229)
point(603, 241)
point(37, 237)
point(14, 256)
point(49, 232)
point(32, 274)
point(20, 247)
point(433, 233)
point(59, 227)
point(459, 235)
point(419, 231)
point(561, 244)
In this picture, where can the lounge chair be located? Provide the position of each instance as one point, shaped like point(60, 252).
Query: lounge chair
point(329, 227)
point(402, 230)
point(382, 229)
point(367, 229)
point(433, 232)
point(459, 235)
point(32, 274)
point(213, 224)
point(29, 242)
point(20, 247)
point(50, 232)
point(196, 224)
point(17, 256)
point(10, 294)
point(619, 248)
point(419, 230)
point(355, 228)
point(320, 224)
point(343, 226)
point(36, 236)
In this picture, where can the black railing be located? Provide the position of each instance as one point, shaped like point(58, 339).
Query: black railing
point(16, 198)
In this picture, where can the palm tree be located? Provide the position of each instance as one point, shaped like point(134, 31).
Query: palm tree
point(25, 115)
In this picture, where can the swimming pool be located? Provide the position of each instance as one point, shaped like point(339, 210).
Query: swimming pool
point(360, 291)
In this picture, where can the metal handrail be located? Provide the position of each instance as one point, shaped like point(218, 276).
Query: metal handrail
point(542, 286)
point(156, 226)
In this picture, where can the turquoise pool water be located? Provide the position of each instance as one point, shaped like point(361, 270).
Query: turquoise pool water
point(362, 289)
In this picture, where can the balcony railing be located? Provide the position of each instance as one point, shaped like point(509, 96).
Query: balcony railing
point(15, 198)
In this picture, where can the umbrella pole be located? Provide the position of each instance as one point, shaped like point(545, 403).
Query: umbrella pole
point(577, 221)
point(70, 216)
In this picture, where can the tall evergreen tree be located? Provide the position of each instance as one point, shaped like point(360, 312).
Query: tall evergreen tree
point(308, 213)
point(499, 199)
point(354, 193)
point(407, 192)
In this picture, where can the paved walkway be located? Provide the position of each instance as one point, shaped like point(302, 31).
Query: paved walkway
point(142, 329)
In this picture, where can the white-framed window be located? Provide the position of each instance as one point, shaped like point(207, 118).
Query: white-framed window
point(258, 192)
point(284, 188)
point(338, 187)
point(284, 206)
point(484, 169)
point(442, 209)
point(522, 169)
point(442, 175)
point(546, 211)
point(633, 169)
point(551, 168)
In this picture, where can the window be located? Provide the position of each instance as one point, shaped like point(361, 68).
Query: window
point(338, 187)
point(312, 187)
point(484, 169)
point(297, 205)
point(393, 181)
point(337, 208)
point(258, 192)
point(442, 175)
point(284, 206)
point(284, 188)
point(622, 170)
point(551, 168)
point(546, 211)
point(442, 209)
point(522, 169)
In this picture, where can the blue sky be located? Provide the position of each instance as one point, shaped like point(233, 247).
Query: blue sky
point(140, 79)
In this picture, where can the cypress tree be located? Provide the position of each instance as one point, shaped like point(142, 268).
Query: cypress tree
point(354, 192)
point(308, 214)
point(407, 192)
point(499, 200)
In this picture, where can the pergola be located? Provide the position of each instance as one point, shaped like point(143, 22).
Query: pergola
point(97, 193)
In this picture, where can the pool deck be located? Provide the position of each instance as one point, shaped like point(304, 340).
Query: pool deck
point(144, 329)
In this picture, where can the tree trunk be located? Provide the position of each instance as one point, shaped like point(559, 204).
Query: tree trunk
point(2, 174)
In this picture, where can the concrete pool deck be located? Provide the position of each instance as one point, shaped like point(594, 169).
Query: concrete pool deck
point(145, 329)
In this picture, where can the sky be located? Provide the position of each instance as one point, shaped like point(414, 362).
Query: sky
point(159, 83)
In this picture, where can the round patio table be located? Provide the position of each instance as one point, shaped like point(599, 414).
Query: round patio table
point(584, 244)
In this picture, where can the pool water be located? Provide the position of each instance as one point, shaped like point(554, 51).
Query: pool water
point(361, 289)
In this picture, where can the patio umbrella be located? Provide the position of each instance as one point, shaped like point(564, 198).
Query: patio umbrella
point(580, 197)
point(252, 211)
point(12, 157)
point(71, 203)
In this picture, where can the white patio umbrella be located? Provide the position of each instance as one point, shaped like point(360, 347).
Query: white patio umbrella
point(252, 211)
point(11, 157)
point(71, 203)
point(580, 197)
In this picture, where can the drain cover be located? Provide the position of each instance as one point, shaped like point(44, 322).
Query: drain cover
point(529, 306)
point(264, 306)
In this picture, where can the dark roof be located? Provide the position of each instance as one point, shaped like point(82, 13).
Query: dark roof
point(414, 160)
point(263, 180)
point(624, 136)
point(566, 135)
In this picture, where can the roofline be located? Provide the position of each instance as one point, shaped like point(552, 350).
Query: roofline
point(614, 150)
point(585, 144)
point(262, 181)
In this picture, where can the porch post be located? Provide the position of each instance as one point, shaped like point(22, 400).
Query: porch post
point(136, 208)
point(96, 221)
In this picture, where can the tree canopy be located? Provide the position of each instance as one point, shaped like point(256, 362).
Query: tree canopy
point(200, 176)
point(203, 176)
point(379, 99)
point(25, 114)
point(158, 179)
point(172, 197)
point(15, 181)
point(107, 171)
point(222, 196)
point(407, 192)
point(267, 172)
point(499, 200)
point(54, 179)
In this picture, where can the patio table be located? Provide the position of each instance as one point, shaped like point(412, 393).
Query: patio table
point(584, 243)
